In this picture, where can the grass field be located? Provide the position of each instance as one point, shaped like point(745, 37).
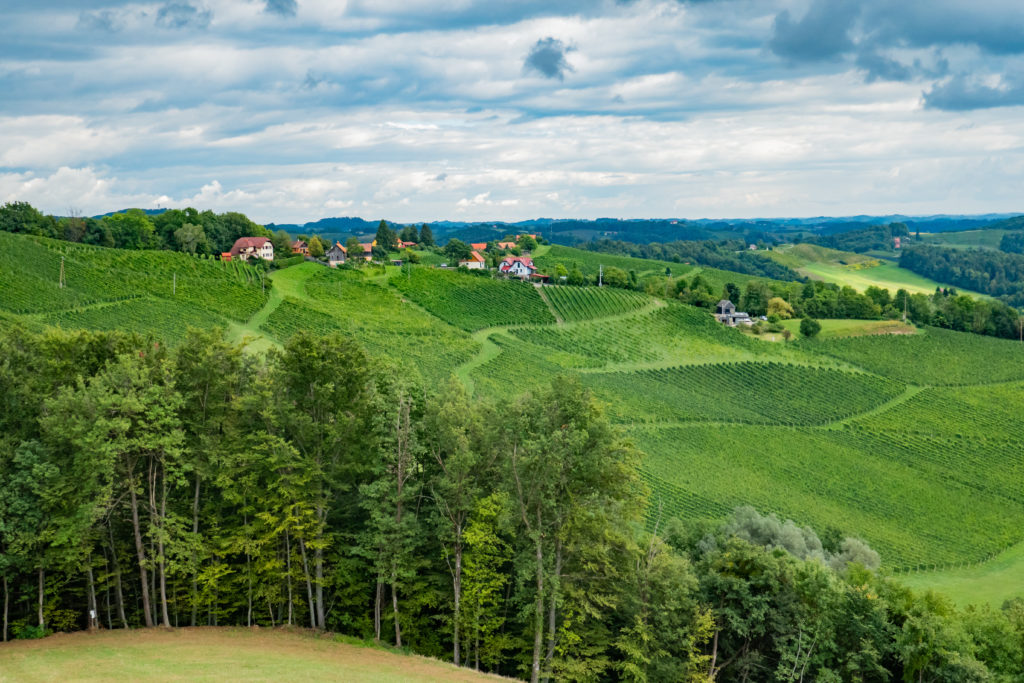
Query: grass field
point(214, 654)
point(852, 328)
point(992, 582)
point(966, 239)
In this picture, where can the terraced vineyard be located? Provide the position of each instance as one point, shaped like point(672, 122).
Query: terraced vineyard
point(153, 287)
point(471, 302)
point(990, 413)
point(672, 334)
point(586, 303)
point(768, 393)
point(940, 357)
point(917, 501)
point(346, 302)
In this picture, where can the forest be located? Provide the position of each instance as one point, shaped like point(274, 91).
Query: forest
point(319, 487)
point(997, 273)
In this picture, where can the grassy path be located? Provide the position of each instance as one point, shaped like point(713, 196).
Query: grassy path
point(547, 301)
point(290, 282)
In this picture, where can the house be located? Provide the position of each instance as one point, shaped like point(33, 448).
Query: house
point(725, 312)
point(247, 247)
point(368, 249)
point(406, 245)
point(336, 255)
point(474, 262)
point(478, 246)
point(517, 266)
point(300, 247)
point(507, 245)
point(896, 242)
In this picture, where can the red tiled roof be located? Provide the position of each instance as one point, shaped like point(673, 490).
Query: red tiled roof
point(341, 246)
point(299, 244)
point(507, 245)
point(509, 260)
point(248, 243)
point(475, 256)
point(367, 247)
point(479, 246)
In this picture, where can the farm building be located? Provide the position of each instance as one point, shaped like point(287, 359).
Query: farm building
point(507, 245)
point(247, 247)
point(368, 250)
point(336, 255)
point(478, 246)
point(474, 262)
point(725, 312)
point(300, 247)
point(517, 266)
point(406, 245)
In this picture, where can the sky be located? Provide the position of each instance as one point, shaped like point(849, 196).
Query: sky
point(293, 110)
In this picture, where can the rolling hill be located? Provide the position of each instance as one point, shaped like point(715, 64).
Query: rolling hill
point(910, 441)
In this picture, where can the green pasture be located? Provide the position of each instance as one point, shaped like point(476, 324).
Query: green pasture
point(985, 583)
point(851, 328)
point(965, 239)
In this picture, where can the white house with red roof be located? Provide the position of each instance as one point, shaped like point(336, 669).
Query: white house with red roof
point(517, 266)
point(248, 247)
point(474, 262)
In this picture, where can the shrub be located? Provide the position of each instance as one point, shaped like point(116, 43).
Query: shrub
point(809, 327)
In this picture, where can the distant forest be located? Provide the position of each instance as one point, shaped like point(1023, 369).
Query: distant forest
point(996, 273)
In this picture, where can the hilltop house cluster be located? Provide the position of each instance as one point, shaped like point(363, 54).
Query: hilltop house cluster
point(521, 267)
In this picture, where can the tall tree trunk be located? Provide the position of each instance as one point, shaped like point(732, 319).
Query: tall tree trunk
point(160, 548)
point(42, 587)
point(288, 568)
point(140, 551)
point(7, 604)
point(195, 558)
point(538, 617)
point(394, 605)
point(309, 584)
point(319, 568)
point(377, 609)
point(94, 617)
point(457, 589)
point(117, 580)
point(553, 609)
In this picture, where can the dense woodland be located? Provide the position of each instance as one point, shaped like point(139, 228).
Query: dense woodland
point(996, 273)
point(875, 237)
point(322, 488)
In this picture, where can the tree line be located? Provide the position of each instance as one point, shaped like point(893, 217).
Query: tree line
point(315, 486)
point(997, 273)
point(730, 254)
point(187, 230)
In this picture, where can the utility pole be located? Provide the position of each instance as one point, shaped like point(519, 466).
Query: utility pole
point(905, 295)
point(61, 282)
point(600, 275)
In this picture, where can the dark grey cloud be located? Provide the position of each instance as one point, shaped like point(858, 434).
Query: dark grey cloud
point(822, 33)
point(963, 93)
point(100, 20)
point(178, 15)
point(547, 57)
point(286, 8)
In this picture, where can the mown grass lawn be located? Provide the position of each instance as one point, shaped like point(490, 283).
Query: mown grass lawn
point(887, 276)
point(989, 583)
point(214, 654)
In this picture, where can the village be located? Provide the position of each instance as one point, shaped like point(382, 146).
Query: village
point(507, 258)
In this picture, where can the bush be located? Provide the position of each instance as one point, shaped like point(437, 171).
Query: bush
point(22, 630)
point(809, 327)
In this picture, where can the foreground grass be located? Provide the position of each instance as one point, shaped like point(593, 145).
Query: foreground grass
point(208, 654)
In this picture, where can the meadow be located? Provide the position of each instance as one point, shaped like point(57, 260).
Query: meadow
point(216, 654)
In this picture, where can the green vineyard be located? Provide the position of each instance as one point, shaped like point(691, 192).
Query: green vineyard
point(586, 303)
point(30, 270)
point(940, 357)
point(345, 302)
point(762, 393)
point(472, 302)
point(913, 511)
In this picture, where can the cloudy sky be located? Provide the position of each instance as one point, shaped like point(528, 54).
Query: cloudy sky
point(291, 110)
